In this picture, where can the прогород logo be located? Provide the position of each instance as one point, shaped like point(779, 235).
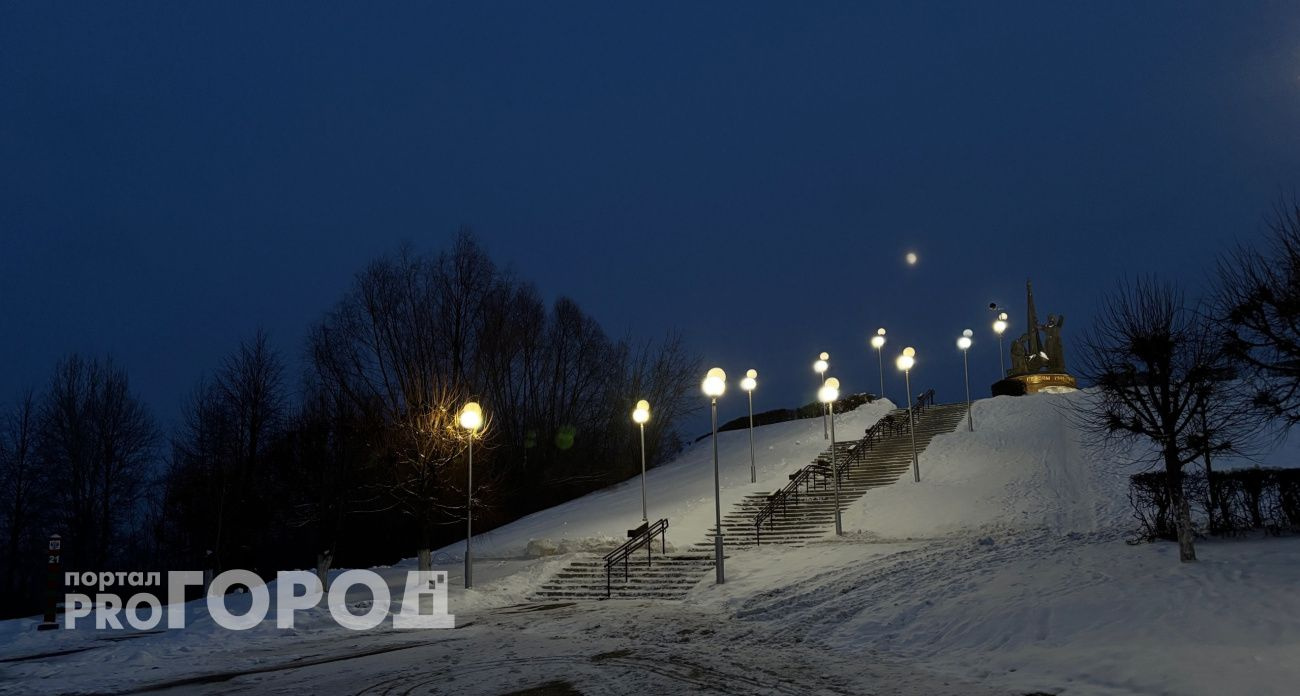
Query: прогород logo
point(424, 599)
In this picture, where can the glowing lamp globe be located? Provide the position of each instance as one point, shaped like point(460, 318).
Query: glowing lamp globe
point(820, 366)
point(750, 381)
point(715, 383)
point(963, 342)
point(878, 341)
point(471, 417)
point(830, 392)
point(906, 360)
point(642, 412)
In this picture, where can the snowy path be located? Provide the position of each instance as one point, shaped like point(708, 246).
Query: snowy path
point(1039, 612)
point(596, 648)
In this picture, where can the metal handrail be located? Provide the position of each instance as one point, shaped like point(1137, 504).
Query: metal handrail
point(791, 490)
point(639, 537)
point(924, 399)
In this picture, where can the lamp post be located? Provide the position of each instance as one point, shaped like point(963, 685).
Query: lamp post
point(878, 342)
point(964, 344)
point(471, 419)
point(905, 363)
point(827, 395)
point(999, 326)
point(640, 415)
point(715, 384)
point(820, 368)
point(749, 383)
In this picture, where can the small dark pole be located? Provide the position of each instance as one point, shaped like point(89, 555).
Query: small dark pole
point(53, 584)
point(1209, 472)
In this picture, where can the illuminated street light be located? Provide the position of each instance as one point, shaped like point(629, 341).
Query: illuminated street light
point(964, 344)
point(471, 419)
point(715, 385)
point(820, 368)
point(827, 395)
point(905, 362)
point(878, 342)
point(999, 326)
point(749, 383)
point(640, 415)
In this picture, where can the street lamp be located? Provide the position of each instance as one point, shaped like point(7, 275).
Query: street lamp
point(820, 368)
point(827, 395)
point(715, 384)
point(1000, 325)
point(878, 342)
point(471, 419)
point(905, 363)
point(640, 415)
point(749, 383)
point(964, 344)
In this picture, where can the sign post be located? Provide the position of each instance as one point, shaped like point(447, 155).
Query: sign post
point(53, 584)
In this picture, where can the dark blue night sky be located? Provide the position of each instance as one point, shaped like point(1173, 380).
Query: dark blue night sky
point(175, 175)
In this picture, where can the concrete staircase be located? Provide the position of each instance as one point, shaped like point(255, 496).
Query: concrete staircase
point(809, 517)
point(812, 515)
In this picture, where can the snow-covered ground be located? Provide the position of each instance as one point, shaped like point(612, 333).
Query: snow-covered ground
point(1005, 571)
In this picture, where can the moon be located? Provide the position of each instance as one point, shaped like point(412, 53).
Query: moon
point(911, 258)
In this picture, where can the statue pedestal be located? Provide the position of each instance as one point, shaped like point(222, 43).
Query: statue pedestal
point(1049, 382)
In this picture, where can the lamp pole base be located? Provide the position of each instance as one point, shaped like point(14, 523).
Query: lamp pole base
point(717, 550)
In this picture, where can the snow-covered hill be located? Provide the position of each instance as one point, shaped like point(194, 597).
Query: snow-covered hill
point(1005, 570)
point(681, 490)
point(1024, 467)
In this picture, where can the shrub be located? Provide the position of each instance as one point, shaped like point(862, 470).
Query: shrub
point(1227, 503)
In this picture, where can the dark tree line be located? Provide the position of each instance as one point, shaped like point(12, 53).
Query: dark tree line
point(359, 460)
point(418, 336)
point(1195, 380)
point(75, 459)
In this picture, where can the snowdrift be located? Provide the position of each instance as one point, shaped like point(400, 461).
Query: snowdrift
point(1024, 467)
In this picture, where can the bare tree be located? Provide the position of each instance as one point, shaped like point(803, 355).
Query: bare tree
point(1163, 378)
point(1259, 307)
point(22, 495)
point(330, 473)
point(222, 480)
point(416, 337)
point(98, 440)
point(396, 351)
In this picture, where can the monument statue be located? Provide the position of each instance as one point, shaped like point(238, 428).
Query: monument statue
point(1037, 364)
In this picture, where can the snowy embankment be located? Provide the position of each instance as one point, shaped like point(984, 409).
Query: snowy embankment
point(1025, 467)
point(1008, 565)
point(681, 490)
